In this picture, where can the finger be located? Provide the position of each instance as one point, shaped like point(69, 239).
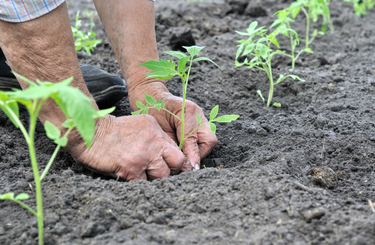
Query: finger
point(187, 165)
point(173, 157)
point(157, 170)
point(206, 141)
point(191, 150)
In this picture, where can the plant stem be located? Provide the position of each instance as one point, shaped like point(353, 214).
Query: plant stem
point(25, 206)
point(307, 27)
point(34, 164)
point(171, 113)
point(184, 84)
point(196, 129)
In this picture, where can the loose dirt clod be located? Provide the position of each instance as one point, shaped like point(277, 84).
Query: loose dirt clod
point(313, 213)
point(325, 177)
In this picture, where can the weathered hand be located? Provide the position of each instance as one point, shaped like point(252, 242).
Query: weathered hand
point(132, 148)
point(200, 143)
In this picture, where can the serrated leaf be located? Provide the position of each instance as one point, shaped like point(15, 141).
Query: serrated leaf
point(213, 127)
point(226, 118)
point(7, 196)
point(63, 141)
point(263, 50)
point(22, 196)
point(276, 104)
point(239, 51)
point(193, 50)
point(158, 107)
point(150, 100)
point(261, 95)
point(145, 111)
point(199, 119)
point(177, 54)
point(140, 105)
point(161, 103)
point(214, 112)
point(206, 59)
point(51, 130)
point(162, 69)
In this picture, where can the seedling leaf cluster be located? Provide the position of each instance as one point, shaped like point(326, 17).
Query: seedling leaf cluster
point(80, 114)
point(166, 69)
point(86, 41)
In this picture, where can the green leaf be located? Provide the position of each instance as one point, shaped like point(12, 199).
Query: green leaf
point(137, 112)
point(22, 196)
point(207, 59)
point(51, 130)
point(199, 120)
point(308, 50)
point(251, 27)
point(193, 50)
point(182, 64)
point(140, 105)
point(145, 111)
point(80, 108)
point(226, 118)
point(212, 127)
point(248, 49)
point(239, 51)
point(177, 54)
point(276, 104)
point(161, 103)
point(263, 50)
point(7, 196)
point(103, 113)
point(150, 100)
point(25, 79)
point(63, 141)
point(69, 123)
point(214, 112)
point(162, 69)
point(261, 95)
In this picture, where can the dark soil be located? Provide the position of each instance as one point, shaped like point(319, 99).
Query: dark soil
point(300, 174)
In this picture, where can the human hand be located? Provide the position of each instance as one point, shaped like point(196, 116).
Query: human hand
point(132, 148)
point(200, 143)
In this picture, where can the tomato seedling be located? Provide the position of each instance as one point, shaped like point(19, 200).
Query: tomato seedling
point(86, 41)
point(258, 45)
point(361, 6)
point(166, 69)
point(312, 10)
point(80, 114)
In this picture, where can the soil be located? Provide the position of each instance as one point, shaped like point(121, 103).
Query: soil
point(299, 174)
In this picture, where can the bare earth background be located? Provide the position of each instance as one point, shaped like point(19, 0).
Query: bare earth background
point(249, 192)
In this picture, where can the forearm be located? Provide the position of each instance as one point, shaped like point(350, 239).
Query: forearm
point(130, 26)
point(43, 49)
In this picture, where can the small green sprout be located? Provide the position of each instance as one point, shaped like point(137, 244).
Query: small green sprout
point(80, 114)
point(258, 45)
point(361, 6)
point(166, 69)
point(84, 40)
point(312, 10)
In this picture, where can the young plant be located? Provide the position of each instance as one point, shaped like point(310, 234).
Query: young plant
point(312, 10)
point(80, 114)
point(258, 45)
point(361, 6)
point(166, 69)
point(84, 40)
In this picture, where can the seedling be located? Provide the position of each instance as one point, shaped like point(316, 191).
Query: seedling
point(80, 114)
point(258, 45)
point(312, 10)
point(361, 6)
point(166, 69)
point(84, 40)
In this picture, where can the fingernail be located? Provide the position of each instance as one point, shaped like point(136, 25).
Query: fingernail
point(197, 166)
